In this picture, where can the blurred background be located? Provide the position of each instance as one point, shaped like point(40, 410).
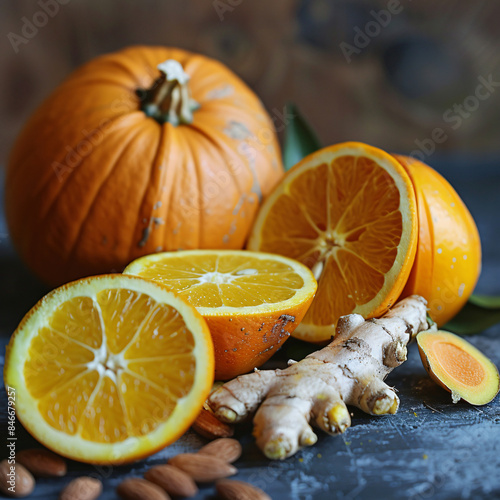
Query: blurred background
point(418, 77)
point(385, 72)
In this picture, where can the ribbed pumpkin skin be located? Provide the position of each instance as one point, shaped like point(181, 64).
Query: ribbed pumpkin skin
point(93, 183)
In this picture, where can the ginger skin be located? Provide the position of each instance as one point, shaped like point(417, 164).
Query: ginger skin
point(349, 371)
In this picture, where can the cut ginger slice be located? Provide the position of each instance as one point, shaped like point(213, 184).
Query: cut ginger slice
point(109, 369)
point(457, 366)
point(348, 212)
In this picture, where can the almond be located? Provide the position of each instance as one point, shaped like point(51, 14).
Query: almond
point(203, 468)
point(210, 427)
point(174, 481)
point(15, 480)
point(42, 463)
point(140, 489)
point(229, 489)
point(226, 449)
point(82, 488)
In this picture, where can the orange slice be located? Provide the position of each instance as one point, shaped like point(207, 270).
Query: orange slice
point(109, 369)
point(457, 366)
point(348, 212)
point(251, 301)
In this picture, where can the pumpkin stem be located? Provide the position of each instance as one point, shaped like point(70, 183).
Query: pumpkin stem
point(169, 99)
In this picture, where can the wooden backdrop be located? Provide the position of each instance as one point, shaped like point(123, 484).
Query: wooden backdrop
point(394, 91)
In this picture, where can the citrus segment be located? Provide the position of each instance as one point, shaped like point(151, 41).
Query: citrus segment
point(348, 212)
point(251, 301)
point(110, 368)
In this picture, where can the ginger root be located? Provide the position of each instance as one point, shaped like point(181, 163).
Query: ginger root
point(349, 371)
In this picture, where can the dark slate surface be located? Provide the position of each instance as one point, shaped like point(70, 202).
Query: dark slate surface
point(430, 449)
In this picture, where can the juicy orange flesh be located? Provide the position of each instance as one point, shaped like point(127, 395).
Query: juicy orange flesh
point(225, 280)
point(111, 368)
point(458, 363)
point(343, 217)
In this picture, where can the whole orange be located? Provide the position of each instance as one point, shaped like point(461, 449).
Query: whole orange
point(372, 227)
point(448, 260)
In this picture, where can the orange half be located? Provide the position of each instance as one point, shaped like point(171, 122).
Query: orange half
point(109, 369)
point(251, 301)
point(348, 212)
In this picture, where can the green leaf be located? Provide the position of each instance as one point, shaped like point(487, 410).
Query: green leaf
point(300, 139)
point(480, 312)
point(486, 301)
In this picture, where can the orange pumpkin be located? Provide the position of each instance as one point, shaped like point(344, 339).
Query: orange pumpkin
point(123, 160)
